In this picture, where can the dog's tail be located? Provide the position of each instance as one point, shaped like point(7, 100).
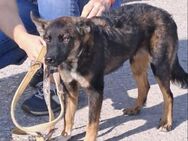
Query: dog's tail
point(178, 75)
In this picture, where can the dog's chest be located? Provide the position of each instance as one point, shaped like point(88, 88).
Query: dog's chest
point(69, 75)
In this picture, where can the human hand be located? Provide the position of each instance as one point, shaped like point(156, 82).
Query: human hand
point(31, 44)
point(95, 8)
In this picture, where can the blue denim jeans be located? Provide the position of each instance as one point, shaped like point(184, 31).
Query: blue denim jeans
point(50, 9)
point(10, 53)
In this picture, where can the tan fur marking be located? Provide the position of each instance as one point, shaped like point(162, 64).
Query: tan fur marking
point(139, 68)
point(82, 80)
point(91, 133)
point(72, 101)
point(168, 106)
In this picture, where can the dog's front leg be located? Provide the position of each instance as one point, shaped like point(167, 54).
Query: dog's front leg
point(95, 99)
point(95, 103)
point(71, 106)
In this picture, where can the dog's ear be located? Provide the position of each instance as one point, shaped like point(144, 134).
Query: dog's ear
point(83, 27)
point(98, 21)
point(41, 24)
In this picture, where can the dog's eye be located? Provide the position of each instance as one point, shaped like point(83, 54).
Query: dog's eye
point(60, 38)
point(47, 38)
point(66, 39)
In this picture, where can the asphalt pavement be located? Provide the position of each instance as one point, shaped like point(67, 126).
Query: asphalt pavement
point(120, 92)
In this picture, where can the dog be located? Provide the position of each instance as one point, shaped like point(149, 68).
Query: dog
point(84, 50)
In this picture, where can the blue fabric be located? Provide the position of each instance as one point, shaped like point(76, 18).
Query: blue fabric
point(51, 9)
point(10, 53)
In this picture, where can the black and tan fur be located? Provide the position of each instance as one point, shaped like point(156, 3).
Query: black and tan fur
point(84, 50)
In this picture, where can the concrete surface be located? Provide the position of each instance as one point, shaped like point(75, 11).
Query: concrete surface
point(120, 92)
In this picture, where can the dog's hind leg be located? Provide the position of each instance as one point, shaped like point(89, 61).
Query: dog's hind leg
point(71, 106)
point(162, 76)
point(139, 66)
point(163, 50)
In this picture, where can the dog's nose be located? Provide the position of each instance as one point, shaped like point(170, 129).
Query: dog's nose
point(49, 60)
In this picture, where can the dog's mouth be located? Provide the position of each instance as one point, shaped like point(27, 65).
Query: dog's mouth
point(50, 70)
point(53, 69)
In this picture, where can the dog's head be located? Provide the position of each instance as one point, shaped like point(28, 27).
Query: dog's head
point(64, 37)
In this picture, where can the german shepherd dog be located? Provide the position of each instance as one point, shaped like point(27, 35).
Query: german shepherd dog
point(84, 50)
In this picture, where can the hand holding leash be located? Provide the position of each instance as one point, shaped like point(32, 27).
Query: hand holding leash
point(35, 131)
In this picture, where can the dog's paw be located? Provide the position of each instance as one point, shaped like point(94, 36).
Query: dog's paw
point(165, 126)
point(131, 111)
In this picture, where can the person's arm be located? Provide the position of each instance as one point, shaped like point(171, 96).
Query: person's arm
point(96, 8)
point(10, 22)
point(12, 26)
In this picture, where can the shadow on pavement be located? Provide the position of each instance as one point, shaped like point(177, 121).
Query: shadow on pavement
point(150, 115)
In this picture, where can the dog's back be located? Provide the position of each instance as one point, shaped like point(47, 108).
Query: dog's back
point(157, 35)
point(138, 27)
point(143, 15)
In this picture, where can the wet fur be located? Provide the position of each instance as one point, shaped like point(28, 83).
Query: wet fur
point(143, 34)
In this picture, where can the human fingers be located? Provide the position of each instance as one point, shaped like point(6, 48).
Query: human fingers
point(42, 42)
point(100, 11)
point(34, 45)
point(96, 8)
point(87, 9)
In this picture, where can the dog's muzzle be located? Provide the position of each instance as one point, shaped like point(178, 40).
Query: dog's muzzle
point(54, 60)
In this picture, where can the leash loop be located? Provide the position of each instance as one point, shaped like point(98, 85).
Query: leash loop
point(34, 133)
